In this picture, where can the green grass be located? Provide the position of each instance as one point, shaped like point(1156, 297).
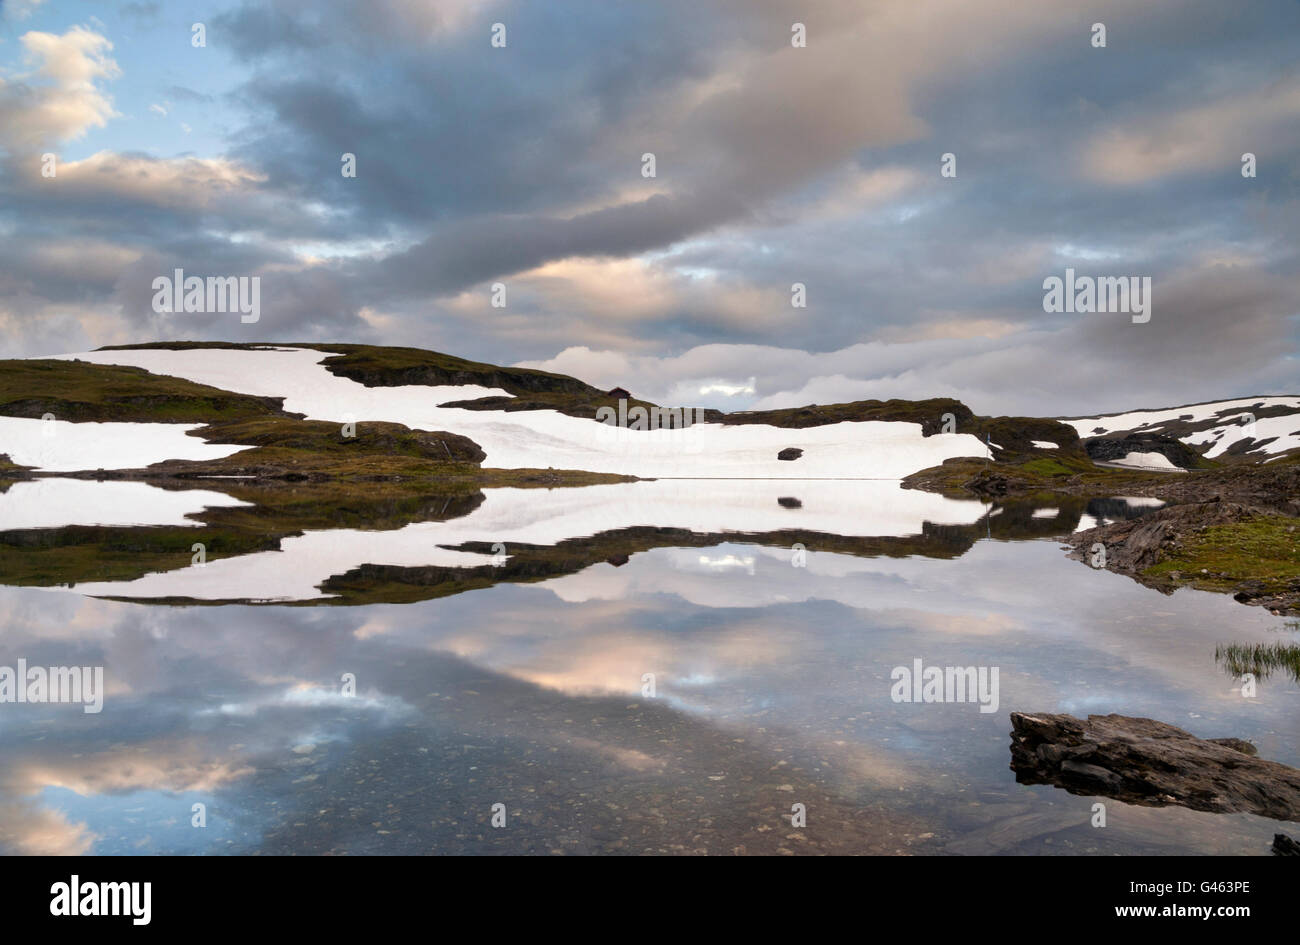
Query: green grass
point(1263, 548)
point(80, 392)
point(1047, 467)
point(1259, 659)
point(1030, 475)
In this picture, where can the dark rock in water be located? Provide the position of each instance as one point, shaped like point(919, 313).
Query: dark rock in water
point(1110, 449)
point(618, 560)
point(790, 452)
point(789, 502)
point(1248, 591)
point(1142, 761)
point(1285, 846)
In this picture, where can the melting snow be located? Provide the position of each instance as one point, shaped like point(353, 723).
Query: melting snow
point(1146, 461)
point(1229, 428)
point(63, 446)
point(525, 439)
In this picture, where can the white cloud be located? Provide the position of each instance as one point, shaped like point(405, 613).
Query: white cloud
point(59, 99)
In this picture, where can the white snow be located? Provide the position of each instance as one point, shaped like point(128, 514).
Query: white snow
point(63, 446)
point(1228, 429)
point(1146, 461)
point(524, 439)
point(1045, 513)
point(54, 503)
point(1286, 429)
point(1045, 444)
point(545, 517)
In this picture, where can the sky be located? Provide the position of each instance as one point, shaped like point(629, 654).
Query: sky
point(819, 164)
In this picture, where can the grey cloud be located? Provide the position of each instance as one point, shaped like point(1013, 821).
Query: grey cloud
point(477, 164)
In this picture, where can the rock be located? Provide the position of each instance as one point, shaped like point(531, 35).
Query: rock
point(1110, 449)
point(1134, 545)
point(790, 453)
point(789, 502)
point(1236, 744)
point(1285, 846)
point(1150, 763)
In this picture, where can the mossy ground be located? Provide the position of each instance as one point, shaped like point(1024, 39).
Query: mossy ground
point(1029, 475)
point(1265, 549)
point(83, 392)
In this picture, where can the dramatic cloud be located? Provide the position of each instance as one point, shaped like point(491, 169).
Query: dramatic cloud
point(774, 166)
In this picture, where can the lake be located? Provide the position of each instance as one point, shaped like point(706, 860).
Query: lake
point(667, 667)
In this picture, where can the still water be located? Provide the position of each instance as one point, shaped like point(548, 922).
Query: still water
point(529, 700)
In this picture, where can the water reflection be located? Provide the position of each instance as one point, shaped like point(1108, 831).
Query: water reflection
point(771, 689)
point(306, 544)
point(1260, 660)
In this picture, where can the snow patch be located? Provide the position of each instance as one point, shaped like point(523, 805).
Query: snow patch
point(1227, 414)
point(545, 438)
point(63, 446)
point(1146, 461)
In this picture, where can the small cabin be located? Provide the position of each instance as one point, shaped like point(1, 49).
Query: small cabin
point(619, 393)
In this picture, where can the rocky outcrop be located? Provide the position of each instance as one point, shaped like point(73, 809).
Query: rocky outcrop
point(1136, 545)
point(790, 453)
point(1112, 449)
point(1150, 763)
point(930, 414)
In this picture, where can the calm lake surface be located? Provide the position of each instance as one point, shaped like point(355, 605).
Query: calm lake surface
point(771, 673)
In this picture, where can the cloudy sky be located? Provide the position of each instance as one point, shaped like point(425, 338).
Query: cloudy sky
point(775, 164)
